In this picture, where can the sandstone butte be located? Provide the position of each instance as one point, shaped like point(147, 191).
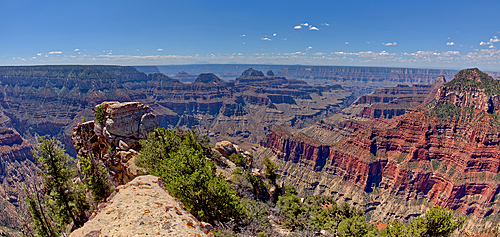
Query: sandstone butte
point(445, 152)
point(142, 207)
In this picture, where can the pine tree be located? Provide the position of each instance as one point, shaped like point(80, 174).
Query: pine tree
point(62, 203)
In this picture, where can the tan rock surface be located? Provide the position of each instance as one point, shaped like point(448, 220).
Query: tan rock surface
point(118, 110)
point(142, 207)
point(226, 148)
point(129, 119)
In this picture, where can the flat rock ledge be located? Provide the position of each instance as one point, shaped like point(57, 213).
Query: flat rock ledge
point(142, 207)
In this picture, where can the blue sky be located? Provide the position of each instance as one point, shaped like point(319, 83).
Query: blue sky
point(433, 34)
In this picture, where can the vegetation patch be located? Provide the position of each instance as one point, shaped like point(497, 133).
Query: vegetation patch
point(474, 80)
point(435, 164)
point(179, 158)
point(100, 113)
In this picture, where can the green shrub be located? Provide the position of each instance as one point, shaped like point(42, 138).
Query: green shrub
point(238, 159)
point(95, 178)
point(437, 221)
point(100, 113)
point(179, 158)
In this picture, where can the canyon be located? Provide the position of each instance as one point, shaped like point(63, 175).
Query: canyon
point(51, 100)
point(444, 152)
point(380, 151)
point(17, 172)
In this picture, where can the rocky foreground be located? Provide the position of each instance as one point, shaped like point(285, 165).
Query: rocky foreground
point(142, 207)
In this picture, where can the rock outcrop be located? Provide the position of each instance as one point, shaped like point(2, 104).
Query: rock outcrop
point(440, 153)
point(471, 88)
point(142, 207)
point(115, 139)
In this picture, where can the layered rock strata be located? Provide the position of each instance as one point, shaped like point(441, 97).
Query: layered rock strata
point(115, 139)
point(388, 103)
point(51, 100)
point(142, 207)
point(436, 154)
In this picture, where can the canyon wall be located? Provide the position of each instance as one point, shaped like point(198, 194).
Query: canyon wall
point(17, 170)
point(440, 153)
point(51, 100)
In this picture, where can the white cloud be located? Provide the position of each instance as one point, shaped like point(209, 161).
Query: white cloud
point(297, 27)
point(76, 50)
point(346, 42)
point(485, 43)
point(325, 24)
point(390, 44)
point(242, 35)
point(39, 54)
point(296, 53)
point(492, 47)
point(313, 28)
point(345, 54)
point(55, 52)
point(450, 43)
point(304, 24)
point(319, 54)
point(159, 50)
point(495, 39)
point(265, 38)
point(308, 48)
point(366, 54)
point(274, 34)
point(239, 54)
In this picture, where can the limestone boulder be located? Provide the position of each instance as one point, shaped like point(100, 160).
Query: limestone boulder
point(129, 119)
point(226, 148)
point(127, 126)
point(118, 110)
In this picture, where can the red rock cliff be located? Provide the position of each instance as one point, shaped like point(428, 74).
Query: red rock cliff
point(447, 154)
